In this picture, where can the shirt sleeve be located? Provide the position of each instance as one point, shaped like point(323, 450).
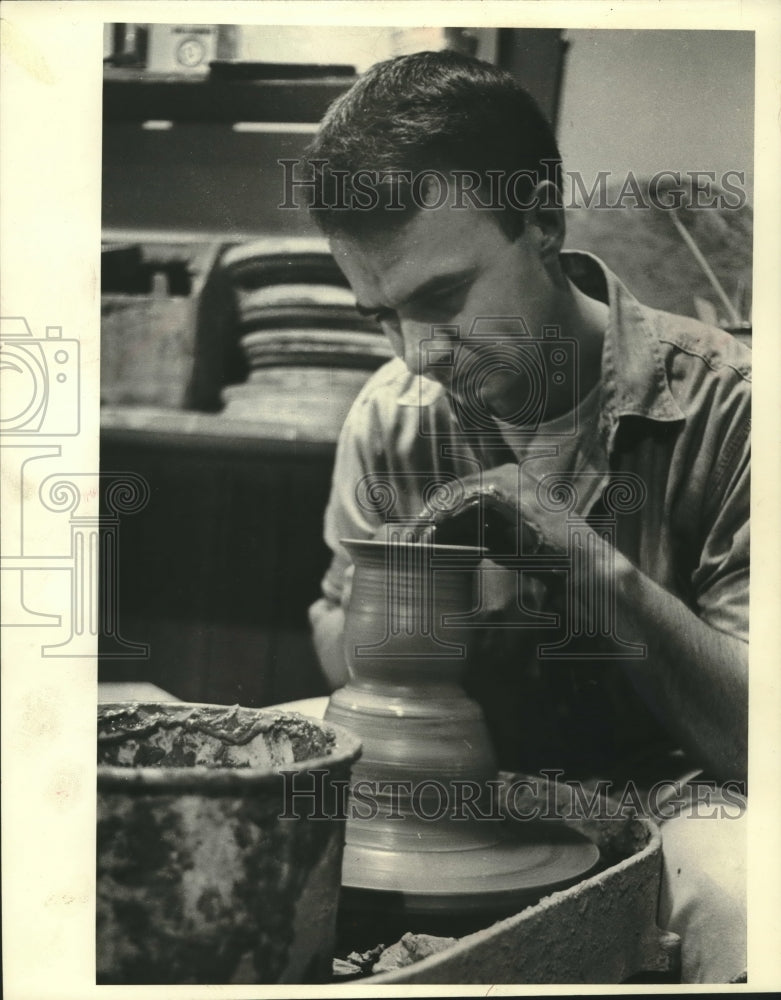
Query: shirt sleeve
point(359, 456)
point(345, 517)
point(721, 580)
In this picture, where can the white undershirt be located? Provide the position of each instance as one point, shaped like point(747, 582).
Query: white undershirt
point(565, 445)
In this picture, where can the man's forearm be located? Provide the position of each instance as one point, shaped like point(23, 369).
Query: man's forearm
point(694, 675)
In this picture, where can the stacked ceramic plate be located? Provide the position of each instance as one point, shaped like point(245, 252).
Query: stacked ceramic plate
point(308, 349)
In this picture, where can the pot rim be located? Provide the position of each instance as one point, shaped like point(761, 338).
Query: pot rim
point(345, 751)
point(434, 548)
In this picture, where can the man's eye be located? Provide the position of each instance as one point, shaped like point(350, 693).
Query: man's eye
point(378, 315)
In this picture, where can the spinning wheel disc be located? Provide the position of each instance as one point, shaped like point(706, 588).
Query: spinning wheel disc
point(506, 875)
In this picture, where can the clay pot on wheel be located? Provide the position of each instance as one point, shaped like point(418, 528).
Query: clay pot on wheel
point(406, 641)
point(419, 839)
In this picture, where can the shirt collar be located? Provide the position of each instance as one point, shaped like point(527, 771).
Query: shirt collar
point(634, 380)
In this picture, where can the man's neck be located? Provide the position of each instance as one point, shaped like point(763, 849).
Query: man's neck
point(583, 320)
point(590, 332)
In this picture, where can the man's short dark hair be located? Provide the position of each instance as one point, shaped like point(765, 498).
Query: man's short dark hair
point(430, 112)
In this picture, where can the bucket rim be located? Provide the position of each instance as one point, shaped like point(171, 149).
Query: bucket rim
point(345, 750)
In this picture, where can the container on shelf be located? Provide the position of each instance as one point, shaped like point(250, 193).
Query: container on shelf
point(166, 315)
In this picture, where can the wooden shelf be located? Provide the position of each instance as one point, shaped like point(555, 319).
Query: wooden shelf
point(154, 427)
point(138, 95)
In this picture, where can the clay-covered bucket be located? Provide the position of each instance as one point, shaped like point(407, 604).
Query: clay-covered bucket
point(220, 834)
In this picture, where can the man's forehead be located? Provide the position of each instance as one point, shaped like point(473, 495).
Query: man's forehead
point(387, 267)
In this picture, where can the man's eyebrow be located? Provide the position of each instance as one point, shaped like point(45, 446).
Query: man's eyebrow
point(431, 286)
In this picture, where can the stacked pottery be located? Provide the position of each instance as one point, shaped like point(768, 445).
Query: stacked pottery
point(308, 350)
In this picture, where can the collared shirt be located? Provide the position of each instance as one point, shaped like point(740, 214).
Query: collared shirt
point(671, 456)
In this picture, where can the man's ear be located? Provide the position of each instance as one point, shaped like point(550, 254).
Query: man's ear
point(546, 214)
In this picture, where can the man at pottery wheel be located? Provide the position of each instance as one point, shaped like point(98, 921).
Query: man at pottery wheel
point(538, 408)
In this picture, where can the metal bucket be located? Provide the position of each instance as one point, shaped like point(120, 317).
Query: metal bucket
point(214, 865)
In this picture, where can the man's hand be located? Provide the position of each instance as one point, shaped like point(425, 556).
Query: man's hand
point(326, 619)
point(501, 508)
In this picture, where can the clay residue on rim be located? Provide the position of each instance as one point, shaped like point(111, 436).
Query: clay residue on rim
point(213, 736)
